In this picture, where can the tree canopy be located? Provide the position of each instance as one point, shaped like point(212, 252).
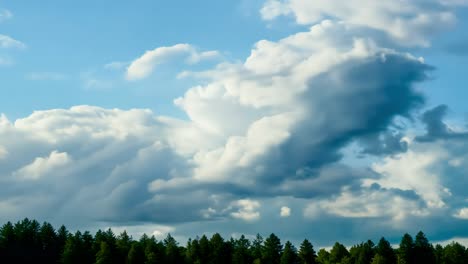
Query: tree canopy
point(27, 241)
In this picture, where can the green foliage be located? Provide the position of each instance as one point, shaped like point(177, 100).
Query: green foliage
point(338, 253)
point(307, 253)
point(323, 257)
point(272, 249)
point(29, 242)
point(289, 255)
point(405, 252)
point(104, 255)
point(385, 252)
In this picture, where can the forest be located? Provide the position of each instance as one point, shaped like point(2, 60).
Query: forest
point(28, 241)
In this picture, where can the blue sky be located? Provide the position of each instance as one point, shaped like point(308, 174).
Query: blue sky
point(309, 119)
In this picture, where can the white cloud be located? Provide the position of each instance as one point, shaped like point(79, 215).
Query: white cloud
point(41, 166)
point(3, 152)
point(143, 66)
point(285, 211)
point(8, 42)
point(247, 210)
point(366, 204)
point(408, 22)
point(412, 171)
point(462, 214)
point(271, 126)
point(5, 15)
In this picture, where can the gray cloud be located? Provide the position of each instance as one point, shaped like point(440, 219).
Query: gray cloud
point(435, 127)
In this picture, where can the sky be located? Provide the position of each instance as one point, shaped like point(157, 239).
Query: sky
point(329, 120)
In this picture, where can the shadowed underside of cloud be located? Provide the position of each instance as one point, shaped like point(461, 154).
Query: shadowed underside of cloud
point(262, 145)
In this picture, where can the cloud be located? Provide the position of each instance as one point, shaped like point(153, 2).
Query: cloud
point(42, 166)
point(462, 213)
point(246, 210)
point(143, 66)
point(7, 42)
point(5, 15)
point(46, 76)
point(408, 22)
point(259, 134)
point(285, 211)
point(116, 65)
point(3, 152)
point(436, 128)
point(243, 123)
point(367, 203)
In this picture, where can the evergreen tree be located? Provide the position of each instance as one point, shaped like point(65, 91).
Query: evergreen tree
point(104, 255)
point(323, 257)
point(62, 237)
point(205, 250)
point(272, 249)
point(406, 250)
point(136, 255)
point(257, 248)
point(439, 253)
point(338, 253)
point(385, 251)
point(123, 245)
point(48, 242)
point(71, 251)
point(8, 243)
point(173, 254)
point(241, 251)
point(289, 255)
point(378, 259)
point(219, 250)
point(455, 253)
point(192, 252)
point(362, 253)
point(307, 253)
point(423, 250)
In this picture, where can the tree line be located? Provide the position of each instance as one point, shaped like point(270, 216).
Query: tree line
point(28, 241)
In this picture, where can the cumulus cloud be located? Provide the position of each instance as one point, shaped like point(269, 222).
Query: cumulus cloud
point(3, 152)
point(408, 22)
point(143, 66)
point(42, 166)
point(462, 213)
point(260, 133)
point(285, 211)
point(246, 210)
point(243, 124)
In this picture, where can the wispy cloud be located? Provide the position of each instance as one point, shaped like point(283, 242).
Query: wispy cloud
point(5, 14)
point(143, 66)
point(46, 76)
point(9, 42)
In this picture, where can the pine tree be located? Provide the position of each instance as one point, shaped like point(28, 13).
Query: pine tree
point(289, 255)
point(104, 255)
point(241, 251)
point(323, 257)
point(406, 250)
point(272, 250)
point(307, 253)
point(386, 252)
point(423, 250)
point(136, 254)
point(338, 252)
